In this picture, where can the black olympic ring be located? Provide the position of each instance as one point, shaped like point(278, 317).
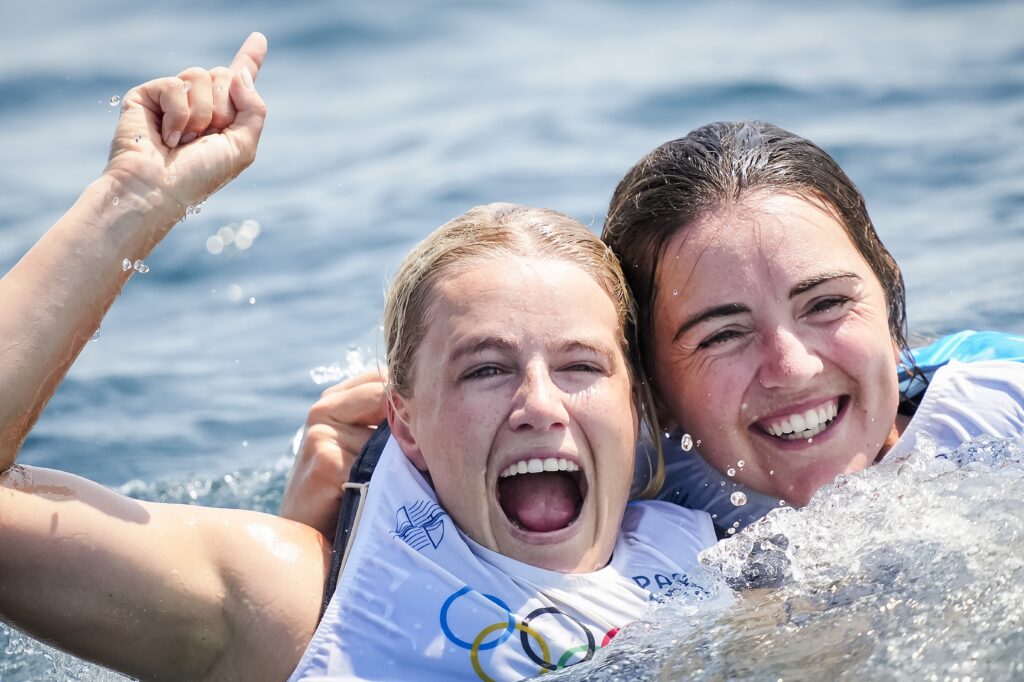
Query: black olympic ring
point(591, 645)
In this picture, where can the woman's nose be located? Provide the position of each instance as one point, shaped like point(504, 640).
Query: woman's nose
point(538, 402)
point(787, 361)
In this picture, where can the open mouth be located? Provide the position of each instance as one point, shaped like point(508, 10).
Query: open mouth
point(804, 424)
point(542, 495)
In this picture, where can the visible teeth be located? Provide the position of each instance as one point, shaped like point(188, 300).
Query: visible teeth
point(537, 465)
point(806, 424)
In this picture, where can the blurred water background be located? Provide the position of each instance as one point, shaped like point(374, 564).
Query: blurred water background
point(387, 119)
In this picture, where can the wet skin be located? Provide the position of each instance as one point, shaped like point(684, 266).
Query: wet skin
point(524, 360)
point(766, 318)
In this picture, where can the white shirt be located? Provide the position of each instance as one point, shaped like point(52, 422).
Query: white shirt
point(418, 599)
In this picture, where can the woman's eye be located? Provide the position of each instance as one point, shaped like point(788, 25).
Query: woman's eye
point(583, 367)
point(483, 372)
point(827, 304)
point(721, 337)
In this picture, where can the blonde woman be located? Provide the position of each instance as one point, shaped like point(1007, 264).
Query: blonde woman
point(501, 545)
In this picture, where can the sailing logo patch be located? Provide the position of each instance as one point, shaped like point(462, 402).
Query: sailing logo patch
point(420, 524)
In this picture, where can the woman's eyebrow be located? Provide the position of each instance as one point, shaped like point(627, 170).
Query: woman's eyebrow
point(480, 344)
point(725, 310)
point(813, 281)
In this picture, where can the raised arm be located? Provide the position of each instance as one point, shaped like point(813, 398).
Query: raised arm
point(56, 295)
point(158, 591)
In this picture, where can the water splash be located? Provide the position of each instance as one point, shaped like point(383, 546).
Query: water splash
point(909, 570)
point(356, 362)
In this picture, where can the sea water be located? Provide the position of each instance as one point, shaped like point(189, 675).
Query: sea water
point(909, 570)
point(388, 119)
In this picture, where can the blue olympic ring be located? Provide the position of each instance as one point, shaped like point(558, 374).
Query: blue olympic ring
point(469, 645)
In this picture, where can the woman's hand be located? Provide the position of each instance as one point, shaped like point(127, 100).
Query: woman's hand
point(173, 147)
point(338, 426)
point(181, 138)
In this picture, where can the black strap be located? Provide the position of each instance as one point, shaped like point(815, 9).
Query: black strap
point(362, 470)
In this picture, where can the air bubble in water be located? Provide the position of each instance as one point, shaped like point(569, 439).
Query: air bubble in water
point(697, 443)
point(140, 267)
point(126, 265)
point(138, 138)
point(731, 531)
point(252, 300)
point(675, 292)
point(686, 443)
point(245, 443)
point(738, 499)
point(114, 201)
point(740, 464)
point(730, 471)
point(96, 335)
point(115, 100)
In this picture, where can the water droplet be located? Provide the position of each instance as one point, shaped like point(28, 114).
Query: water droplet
point(698, 442)
point(139, 266)
point(738, 498)
point(731, 531)
point(740, 464)
point(115, 100)
point(686, 443)
point(126, 265)
point(96, 335)
point(214, 244)
point(252, 300)
point(730, 471)
point(114, 201)
point(138, 138)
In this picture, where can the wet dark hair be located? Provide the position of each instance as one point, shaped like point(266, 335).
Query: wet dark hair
point(715, 165)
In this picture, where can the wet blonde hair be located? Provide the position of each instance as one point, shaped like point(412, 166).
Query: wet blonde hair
point(489, 232)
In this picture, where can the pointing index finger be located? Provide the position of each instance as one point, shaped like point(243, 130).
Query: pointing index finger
point(251, 54)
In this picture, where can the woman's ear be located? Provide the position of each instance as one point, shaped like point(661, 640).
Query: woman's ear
point(403, 431)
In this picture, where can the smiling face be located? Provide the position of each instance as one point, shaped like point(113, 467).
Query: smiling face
point(772, 345)
point(522, 368)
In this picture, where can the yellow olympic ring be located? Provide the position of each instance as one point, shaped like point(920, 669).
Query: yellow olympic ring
point(474, 653)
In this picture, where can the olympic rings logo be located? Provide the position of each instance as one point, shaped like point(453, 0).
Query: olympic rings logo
point(510, 626)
